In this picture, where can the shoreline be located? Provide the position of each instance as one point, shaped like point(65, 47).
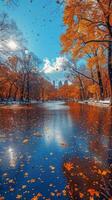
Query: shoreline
point(100, 103)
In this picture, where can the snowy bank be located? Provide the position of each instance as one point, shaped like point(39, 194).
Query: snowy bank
point(101, 103)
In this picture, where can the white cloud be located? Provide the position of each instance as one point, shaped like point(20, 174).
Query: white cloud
point(48, 68)
point(58, 65)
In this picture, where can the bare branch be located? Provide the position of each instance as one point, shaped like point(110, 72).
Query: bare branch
point(90, 41)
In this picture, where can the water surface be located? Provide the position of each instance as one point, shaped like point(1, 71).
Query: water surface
point(36, 140)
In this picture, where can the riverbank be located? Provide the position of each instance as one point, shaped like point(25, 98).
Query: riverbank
point(17, 102)
point(99, 103)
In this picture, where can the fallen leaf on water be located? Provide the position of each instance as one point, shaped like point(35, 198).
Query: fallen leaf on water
point(33, 180)
point(50, 185)
point(5, 174)
point(23, 186)
point(64, 144)
point(11, 181)
point(68, 166)
point(37, 134)
point(104, 172)
point(25, 141)
point(25, 174)
point(37, 196)
point(52, 194)
point(19, 196)
point(11, 189)
point(81, 195)
point(64, 192)
point(93, 192)
point(52, 167)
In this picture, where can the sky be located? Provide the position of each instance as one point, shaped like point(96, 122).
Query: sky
point(41, 24)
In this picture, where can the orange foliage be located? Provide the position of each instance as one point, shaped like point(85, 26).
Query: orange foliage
point(88, 26)
point(68, 166)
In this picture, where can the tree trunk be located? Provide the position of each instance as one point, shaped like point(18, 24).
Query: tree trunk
point(22, 89)
point(100, 82)
point(81, 89)
point(43, 93)
point(22, 93)
point(15, 94)
point(28, 88)
point(92, 76)
point(110, 68)
point(10, 90)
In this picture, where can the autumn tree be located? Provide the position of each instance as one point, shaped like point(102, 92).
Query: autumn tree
point(89, 24)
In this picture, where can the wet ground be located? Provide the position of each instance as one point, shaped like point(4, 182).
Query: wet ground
point(41, 144)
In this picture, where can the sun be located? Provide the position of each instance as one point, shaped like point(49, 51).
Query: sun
point(12, 45)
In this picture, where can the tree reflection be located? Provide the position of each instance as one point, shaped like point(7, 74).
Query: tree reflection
point(96, 124)
point(90, 177)
point(87, 179)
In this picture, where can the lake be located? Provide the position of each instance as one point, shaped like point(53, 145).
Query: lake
point(41, 144)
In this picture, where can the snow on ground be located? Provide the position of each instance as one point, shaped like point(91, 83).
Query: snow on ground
point(102, 103)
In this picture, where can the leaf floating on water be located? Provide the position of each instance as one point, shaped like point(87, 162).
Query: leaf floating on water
point(23, 186)
point(22, 165)
point(33, 180)
point(64, 192)
point(52, 194)
point(11, 181)
point(19, 196)
point(52, 167)
point(50, 185)
point(11, 189)
point(25, 174)
point(68, 166)
point(64, 144)
point(5, 174)
point(37, 196)
point(93, 192)
point(104, 172)
point(25, 141)
point(37, 134)
point(81, 195)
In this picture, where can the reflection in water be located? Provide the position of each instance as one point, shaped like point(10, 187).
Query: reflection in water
point(88, 179)
point(96, 124)
point(40, 142)
point(12, 157)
